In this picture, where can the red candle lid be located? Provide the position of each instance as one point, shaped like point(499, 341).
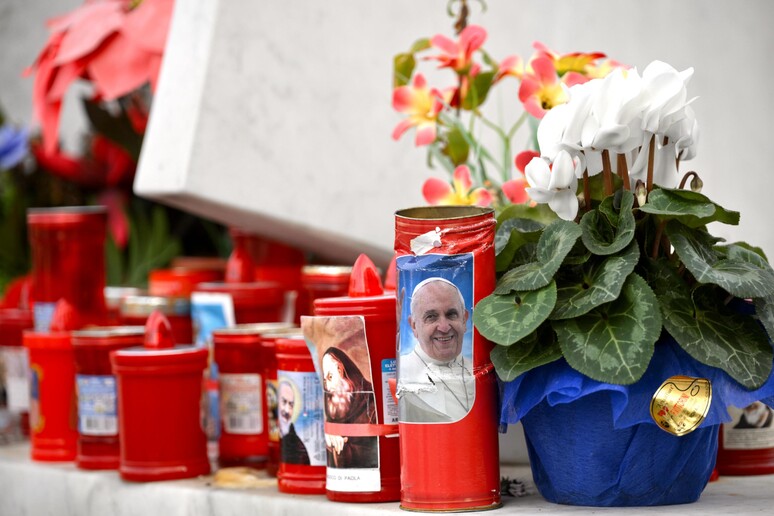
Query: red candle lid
point(67, 215)
point(108, 336)
point(160, 348)
point(13, 322)
point(63, 321)
point(326, 274)
point(240, 267)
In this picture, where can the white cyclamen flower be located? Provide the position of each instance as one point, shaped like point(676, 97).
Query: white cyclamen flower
point(555, 186)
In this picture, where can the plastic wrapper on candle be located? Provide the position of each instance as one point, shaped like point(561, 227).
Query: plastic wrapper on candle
point(446, 388)
point(98, 437)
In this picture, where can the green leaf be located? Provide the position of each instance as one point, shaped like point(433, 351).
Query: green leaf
point(420, 45)
point(604, 236)
point(597, 186)
point(505, 319)
point(511, 235)
point(555, 243)
point(478, 91)
point(664, 279)
point(691, 208)
point(151, 246)
point(764, 309)
point(536, 349)
point(737, 273)
point(733, 342)
point(614, 342)
point(600, 282)
point(456, 147)
point(403, 67)
point(540, 213)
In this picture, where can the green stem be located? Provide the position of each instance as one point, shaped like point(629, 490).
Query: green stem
point(515, 127)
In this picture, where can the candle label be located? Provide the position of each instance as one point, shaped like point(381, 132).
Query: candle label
point(241, 404)
point(97, 412)
point(750, 428)
point(16, 362)
point(435, 348)
point(341, 356)
point(389, 372)
point(300, 418)
point(681, 404)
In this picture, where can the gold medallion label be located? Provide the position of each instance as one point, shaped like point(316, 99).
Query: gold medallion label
point(681, 404)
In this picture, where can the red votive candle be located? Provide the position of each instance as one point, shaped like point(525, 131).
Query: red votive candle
point(68, 261)
point(354, 344)
point(746, 443)
point(269, 372)
point(321, 281)
point(447, 390)
point(14, 361)
point(159, 407)
point(300, 420)
point(243, 439)
point(180, 281)
point(135, 310)
point(98, 438)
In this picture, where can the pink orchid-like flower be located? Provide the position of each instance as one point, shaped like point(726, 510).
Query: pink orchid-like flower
point(440, 193)
point(117, 45)
point(541, 88)
point(523, 158)
point(458, 55)
point(515, 190)
point(512, 66)
point(422, 105)
point(577, 62)
point(603, 69)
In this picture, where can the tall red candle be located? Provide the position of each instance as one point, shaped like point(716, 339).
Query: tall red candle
point(353, 339)
point(447, 391)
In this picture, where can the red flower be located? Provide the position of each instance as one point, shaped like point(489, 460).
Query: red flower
point(116, 46)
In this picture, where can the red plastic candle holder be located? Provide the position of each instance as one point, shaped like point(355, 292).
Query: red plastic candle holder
point(98, 437)
point(243, 439)
point(159, 407)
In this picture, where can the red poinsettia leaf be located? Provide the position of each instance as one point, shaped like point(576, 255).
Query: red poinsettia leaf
point(119, 68)
point(148, 24)
point(86, 32)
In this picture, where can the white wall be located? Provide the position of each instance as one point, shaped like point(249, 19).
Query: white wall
point(277, 115)
point(23, 34)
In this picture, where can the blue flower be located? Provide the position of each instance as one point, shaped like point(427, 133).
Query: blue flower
point(14, 146)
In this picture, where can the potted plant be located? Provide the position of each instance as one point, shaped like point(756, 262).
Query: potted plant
point(618, 287)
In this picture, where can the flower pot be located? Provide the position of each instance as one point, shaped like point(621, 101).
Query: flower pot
point(599, 465)
point(594, 443)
